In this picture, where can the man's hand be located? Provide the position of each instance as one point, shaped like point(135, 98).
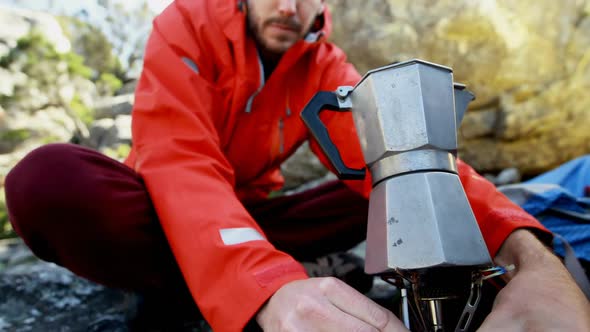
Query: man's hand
point(540, 294)
point(324, 304)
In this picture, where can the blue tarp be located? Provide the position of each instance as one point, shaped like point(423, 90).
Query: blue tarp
point(573, 176)
point(557, 199)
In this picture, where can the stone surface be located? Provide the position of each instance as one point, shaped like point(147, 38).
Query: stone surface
point(39, 296)
point(36, 296)
point(528, 62)
point(10, 80)
point(302, 167)
point(49, 299)
point(110, 107)
point(18, 22)
point(41, 100)
point(36, 95)
point(102, 132)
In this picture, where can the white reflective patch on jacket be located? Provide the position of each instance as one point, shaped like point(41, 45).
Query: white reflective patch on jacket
point(231, 236)
point(192, 65)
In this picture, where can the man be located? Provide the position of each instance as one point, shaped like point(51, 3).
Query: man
point(216, 112)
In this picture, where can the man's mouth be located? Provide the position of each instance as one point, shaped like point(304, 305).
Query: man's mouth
point(288, 25)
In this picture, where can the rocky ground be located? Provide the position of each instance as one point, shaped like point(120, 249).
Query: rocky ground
point(39, 296)
point(36, 296)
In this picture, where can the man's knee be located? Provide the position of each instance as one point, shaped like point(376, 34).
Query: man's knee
point(42, 174)
point(87, 212)
point(39, 186)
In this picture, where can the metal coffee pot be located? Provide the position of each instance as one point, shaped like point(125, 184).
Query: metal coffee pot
point(422, 235)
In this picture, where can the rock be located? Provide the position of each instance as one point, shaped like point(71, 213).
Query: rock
point(102, 133)
point(128, 88)
point(9, 81)
point(4, 49)
point(42, 100)
point(302, 167)
point(39, 296)
point(16, 23)
point(110, 107)
point(53, 124)
point(48, 298)
point(311, 184)
point(479, 124)
point(536, 134)
point(527, 63)
point(123, 125)
point(507, 176)
point(109, 133)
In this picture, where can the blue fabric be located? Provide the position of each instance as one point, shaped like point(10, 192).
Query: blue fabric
point(556, 197)
point(571, 178)
point(573, 175)
point(578, 235)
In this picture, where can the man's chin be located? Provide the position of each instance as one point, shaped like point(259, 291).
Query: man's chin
point(278, 47)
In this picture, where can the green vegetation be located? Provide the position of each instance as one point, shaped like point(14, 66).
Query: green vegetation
point(92, 58)
point(35, 56)
point(6, 230)
point(108, 83)
point(51, 139)
point(76, 65)
point(81, 111)
point(15, 135)
point(91, 44)
point(120, 153)
point(34, 48)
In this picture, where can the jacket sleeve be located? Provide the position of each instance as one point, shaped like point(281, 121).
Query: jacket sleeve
point(229, 266)
point(496, 215)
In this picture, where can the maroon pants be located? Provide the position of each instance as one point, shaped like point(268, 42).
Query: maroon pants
point(91, 214)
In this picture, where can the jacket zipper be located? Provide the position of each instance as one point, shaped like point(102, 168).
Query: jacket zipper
point(282, 126)
point(262, 81)
point(281, 136)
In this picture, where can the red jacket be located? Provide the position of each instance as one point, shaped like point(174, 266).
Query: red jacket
point(209, 135)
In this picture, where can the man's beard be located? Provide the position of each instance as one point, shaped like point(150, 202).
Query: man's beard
point(256, 30)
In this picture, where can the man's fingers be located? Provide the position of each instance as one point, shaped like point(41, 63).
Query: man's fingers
point(394, 324)
point(324, 304)
point(330, 318)
point(356, 304)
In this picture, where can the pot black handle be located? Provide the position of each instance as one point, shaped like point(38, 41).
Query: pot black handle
point(311, 117)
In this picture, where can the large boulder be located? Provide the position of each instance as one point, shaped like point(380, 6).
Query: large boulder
point(527, 62)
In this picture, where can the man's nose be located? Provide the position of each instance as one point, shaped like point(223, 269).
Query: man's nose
point(287, 7)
